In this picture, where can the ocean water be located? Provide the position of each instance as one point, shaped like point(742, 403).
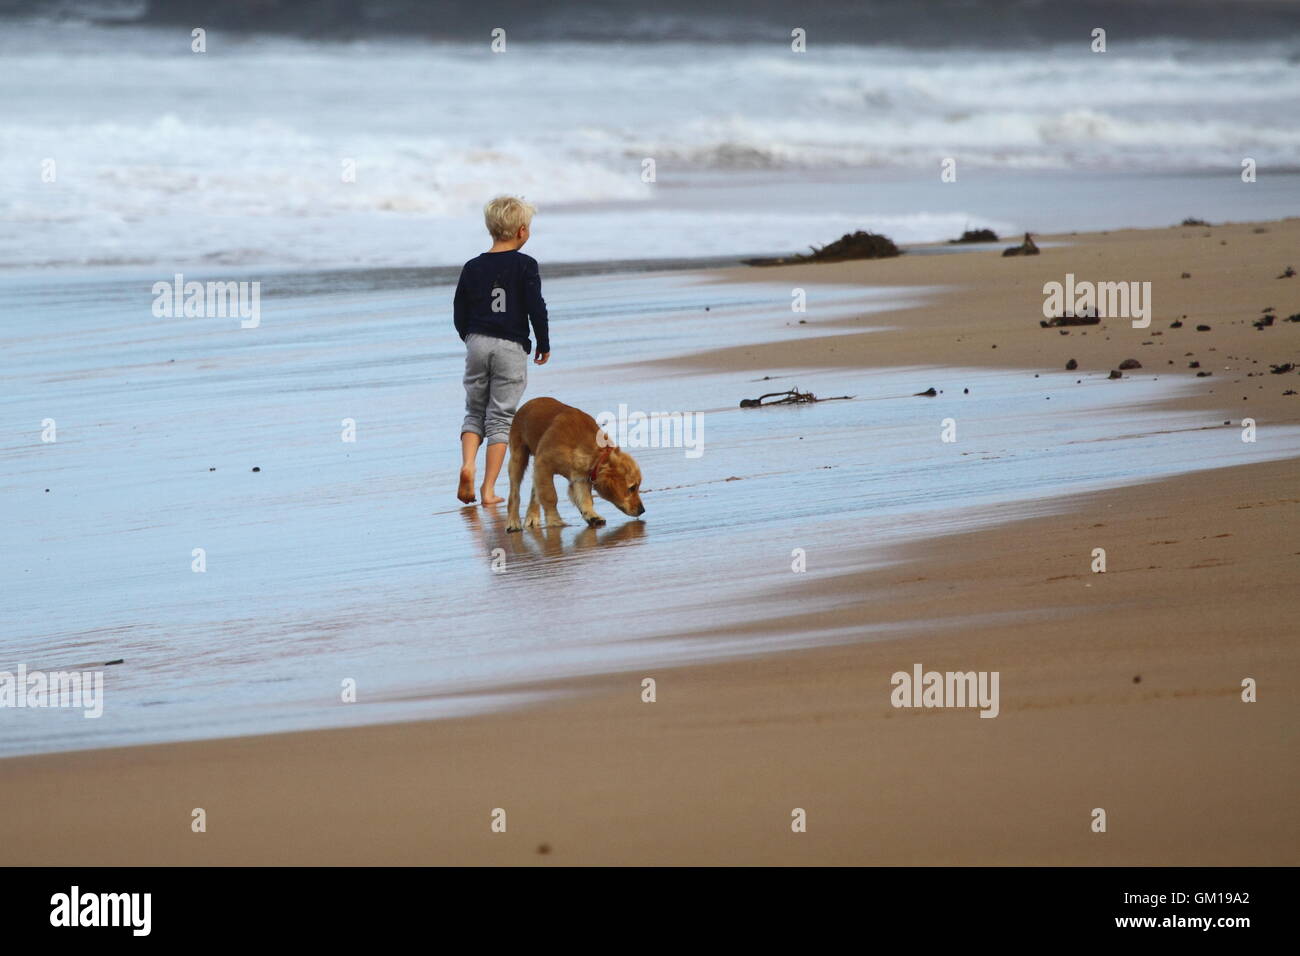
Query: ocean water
point(236, 157)
point(352, 561)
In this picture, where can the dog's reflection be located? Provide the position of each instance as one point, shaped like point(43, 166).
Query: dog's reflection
point(489, 527)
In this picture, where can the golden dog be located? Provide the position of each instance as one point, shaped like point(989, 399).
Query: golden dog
point(565, 441)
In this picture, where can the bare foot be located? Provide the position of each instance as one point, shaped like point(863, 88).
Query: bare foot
point(466, 490)
point(489, 496)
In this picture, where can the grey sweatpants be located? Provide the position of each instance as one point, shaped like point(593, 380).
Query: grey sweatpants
point(496, 372)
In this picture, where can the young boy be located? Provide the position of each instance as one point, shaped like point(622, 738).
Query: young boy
point(499, 294)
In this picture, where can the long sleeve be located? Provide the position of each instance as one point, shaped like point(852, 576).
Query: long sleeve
point(458, 307)
point(536, 305)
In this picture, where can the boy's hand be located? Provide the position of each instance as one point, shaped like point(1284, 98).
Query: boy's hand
point(541, 357)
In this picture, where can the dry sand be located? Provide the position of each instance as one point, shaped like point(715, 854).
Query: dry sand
point(1119, 691)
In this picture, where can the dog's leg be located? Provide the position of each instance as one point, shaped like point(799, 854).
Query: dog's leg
point(533, 519)
point(544, 492)
point(518, 465)
point(580, 492)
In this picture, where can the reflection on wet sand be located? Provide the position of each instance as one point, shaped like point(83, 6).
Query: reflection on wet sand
point(488, 526)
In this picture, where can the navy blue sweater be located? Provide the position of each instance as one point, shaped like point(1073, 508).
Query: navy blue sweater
point(503, 315)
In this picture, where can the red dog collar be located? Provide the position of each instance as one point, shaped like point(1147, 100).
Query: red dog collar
point(600, 460)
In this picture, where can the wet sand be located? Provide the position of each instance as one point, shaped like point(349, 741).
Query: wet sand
point(1118, 690)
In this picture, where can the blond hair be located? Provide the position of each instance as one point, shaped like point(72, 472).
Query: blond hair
point(505, 215)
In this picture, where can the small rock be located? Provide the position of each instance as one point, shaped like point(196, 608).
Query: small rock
point(1128, 364)
point(928, 393)
point(1187, 275)
point(1176, 324)
point(1202, 328)
point(1116, 374)
point(255, 468)
point(1282, 369)
point(1287, 273)
point(1071, 365)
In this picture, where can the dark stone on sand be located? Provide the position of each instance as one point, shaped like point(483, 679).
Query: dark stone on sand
point(1071, 365)
point(1193, 364)
point(1129, 364)
point(1137, 679)
point(1176, 324)
point(1282, 369)
point(1287, 273)
point(928, 393)
point(1187, 275)
point(852, 245)
point(1193, 221)
point(1289, 391)
point(1263, 322)
point(1292, 318)
point(1204, 374)
point(1116, 374)
point(1202, 328)
point(1026, 248)
point(975, 235)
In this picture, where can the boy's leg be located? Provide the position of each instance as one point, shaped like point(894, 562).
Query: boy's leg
point(495, 457)
point(477, 370)
point(508, 376)
point(469, 442)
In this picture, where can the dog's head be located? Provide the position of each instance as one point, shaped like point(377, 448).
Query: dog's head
point(618, 481)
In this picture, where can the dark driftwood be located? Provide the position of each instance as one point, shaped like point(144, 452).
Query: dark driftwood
point(791, 397)
point(1070, 320)
point(1026, 248)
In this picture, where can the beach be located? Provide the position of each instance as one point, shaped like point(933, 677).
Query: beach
point(1120, 690)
